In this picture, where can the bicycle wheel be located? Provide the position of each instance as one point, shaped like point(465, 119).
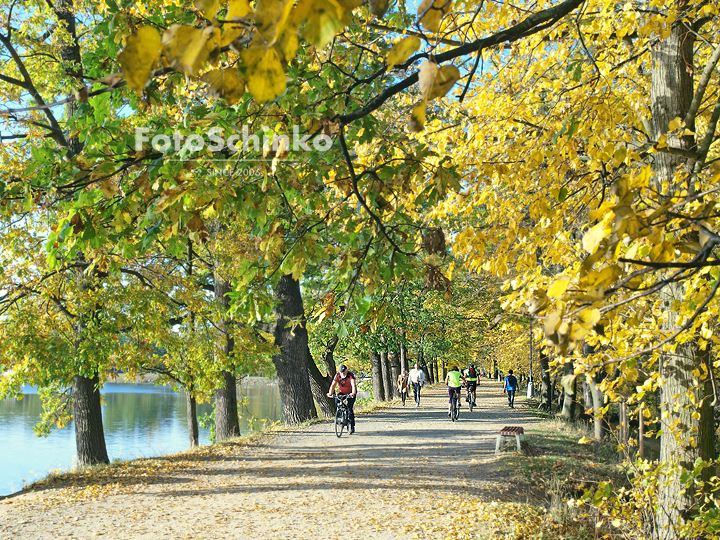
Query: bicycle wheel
point(339, 422)
point(454, 410)
point(471, 403)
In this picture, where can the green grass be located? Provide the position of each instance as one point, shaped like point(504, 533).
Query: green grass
point(558, 470)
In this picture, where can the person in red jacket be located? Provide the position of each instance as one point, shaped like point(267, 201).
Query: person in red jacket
point(345, 382)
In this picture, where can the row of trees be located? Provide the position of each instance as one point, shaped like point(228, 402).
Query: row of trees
point(559, 162)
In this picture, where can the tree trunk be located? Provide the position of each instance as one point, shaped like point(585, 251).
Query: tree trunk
point(598, 403)
point(403, 354)
point(385, 370)
point(192, 420)
point(394, 373)
point(328, 357)
point(587, 394)
point(320, 384)
point(191, 402)
point(570, 391)
point(546, 393)
point(706, 425)
point(291, 364)
point(377, 377)
point(87, 414)
point(671, 95)
point(227, 423)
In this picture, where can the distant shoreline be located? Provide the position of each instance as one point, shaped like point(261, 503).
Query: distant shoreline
point(151, 378)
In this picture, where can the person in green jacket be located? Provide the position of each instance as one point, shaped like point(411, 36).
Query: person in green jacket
point(454, 381)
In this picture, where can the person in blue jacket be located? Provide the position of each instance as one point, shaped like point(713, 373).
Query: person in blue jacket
point(510, 386)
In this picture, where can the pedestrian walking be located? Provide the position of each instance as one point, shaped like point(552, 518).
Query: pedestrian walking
point(417, 379)
point(403, 384)
point(510, 386)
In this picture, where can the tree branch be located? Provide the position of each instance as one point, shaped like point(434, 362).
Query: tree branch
point(534, 23)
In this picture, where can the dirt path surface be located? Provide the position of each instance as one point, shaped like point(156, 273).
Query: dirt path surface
point(405, 474)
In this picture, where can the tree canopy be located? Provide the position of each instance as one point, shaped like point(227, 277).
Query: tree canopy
point(445, 177)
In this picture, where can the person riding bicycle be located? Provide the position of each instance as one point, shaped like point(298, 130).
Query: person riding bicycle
point(471, 378)
point(454, 381)
point(345, 382)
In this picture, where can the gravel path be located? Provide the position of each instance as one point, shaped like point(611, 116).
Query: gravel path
point(406, 473)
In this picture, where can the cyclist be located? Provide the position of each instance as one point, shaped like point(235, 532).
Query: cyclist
point(471, 378)
point(453, 380)
point(345, 382)
point(510, 386)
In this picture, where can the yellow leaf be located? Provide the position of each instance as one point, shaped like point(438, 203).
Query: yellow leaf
point(431, 12)
point(559, 286)
point(402, 50)
point(207, 7)
point(238, 9)
point(594, 236)
point(584, 440)
point(577, 332)
point(417, 117)
point(139, 56)
point(109, 188)
point(426, 77)
point(263, 72)
point(436, 81)
point(226, 84)
point(444, 81)
point(325, 18)
point(605, 277)
point(270, 18)
point(675, 124)
point(589, 318)
point(287, 43)
point(185, 47)
point(552, 322)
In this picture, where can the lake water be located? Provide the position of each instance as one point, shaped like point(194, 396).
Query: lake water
point(139, 420)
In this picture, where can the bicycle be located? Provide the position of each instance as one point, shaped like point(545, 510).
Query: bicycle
point(342, 414)
point(470, 399)
point(454, 405)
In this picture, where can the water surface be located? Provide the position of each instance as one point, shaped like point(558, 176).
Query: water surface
point(139, 420)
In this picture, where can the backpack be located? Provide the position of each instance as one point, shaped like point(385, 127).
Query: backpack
point(472, 373)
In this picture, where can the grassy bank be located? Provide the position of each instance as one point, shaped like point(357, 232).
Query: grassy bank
point(544, 486)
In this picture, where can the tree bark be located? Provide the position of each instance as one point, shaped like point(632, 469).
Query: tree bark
point(326, 404)
point(587, 394)
point(227, 422)
point(192, 420)
point(320, 384)
point(546, 390)
point(394, 373)
point(570, 391)
point(671, 95)
point(598, 398)
point(191, 402)
point(87, 414)
point(291, 364)
point(403, 353)
point(377, 377)
point(385, 370)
